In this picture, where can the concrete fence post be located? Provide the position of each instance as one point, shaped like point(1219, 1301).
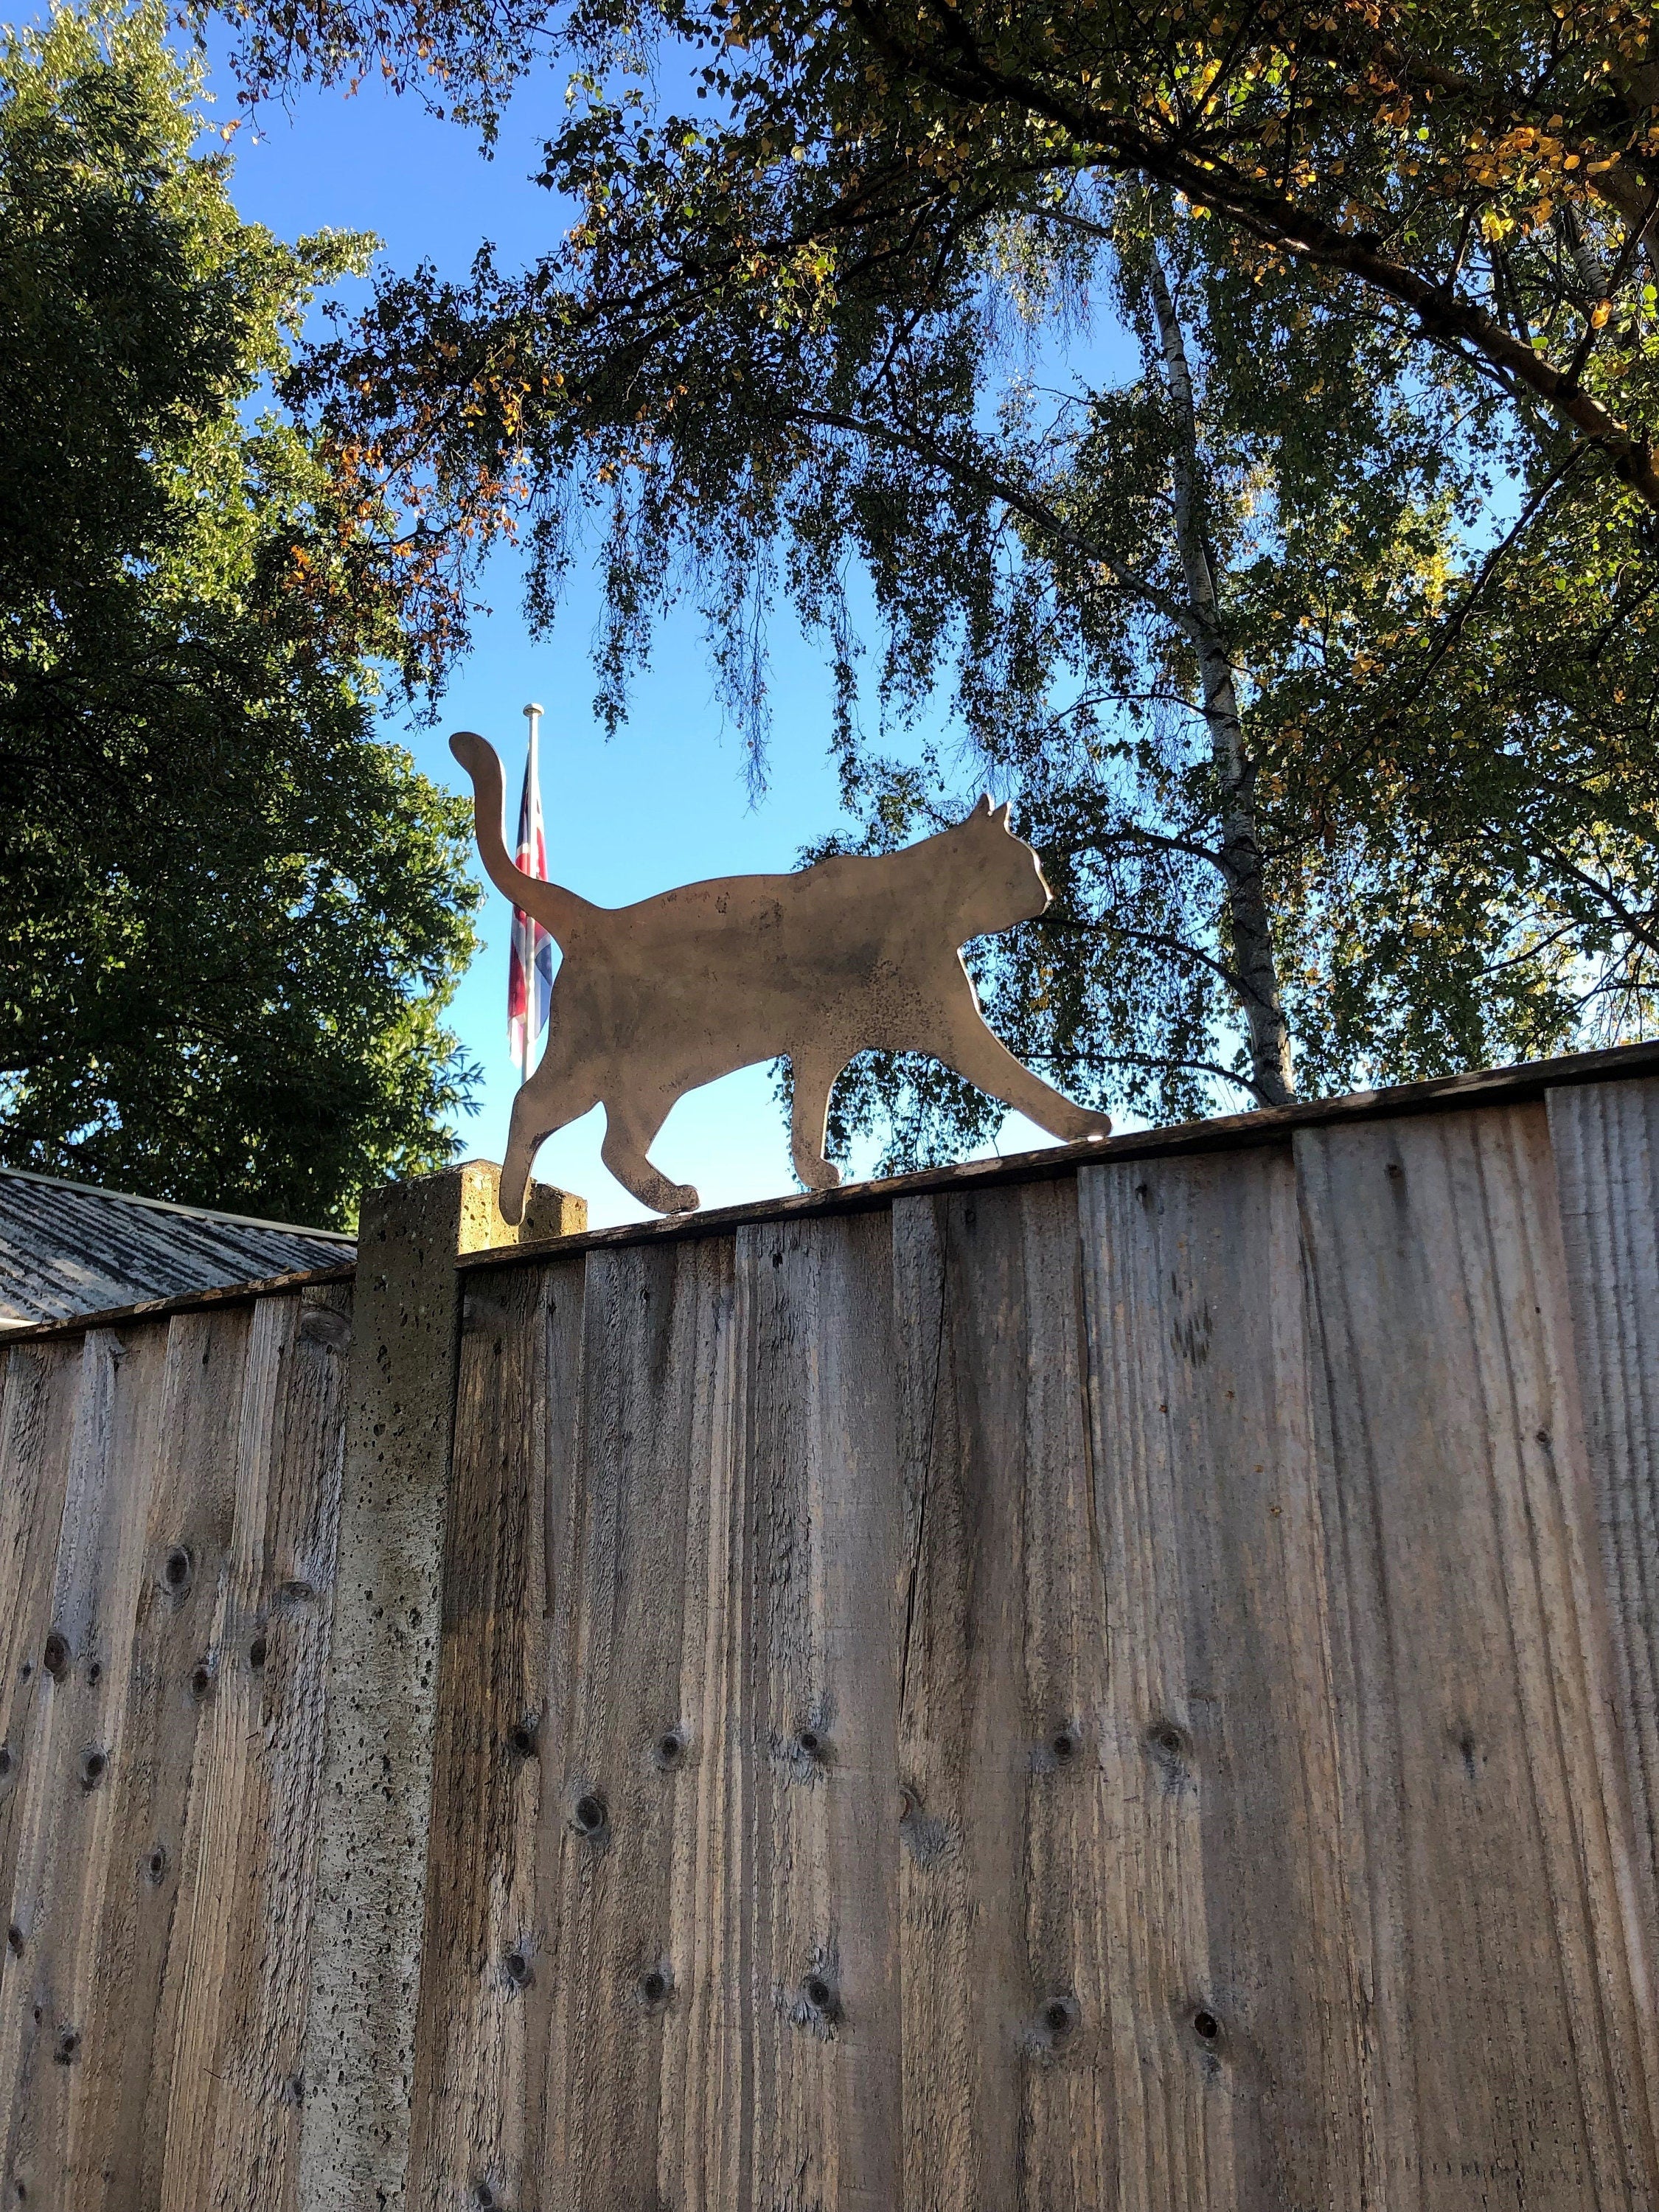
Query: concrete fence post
point(383, 1673)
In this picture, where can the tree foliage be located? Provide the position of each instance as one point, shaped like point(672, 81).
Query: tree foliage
point(234, 917)
point(1315, 639)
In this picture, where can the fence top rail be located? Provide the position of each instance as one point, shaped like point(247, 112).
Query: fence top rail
point(1272, 1125)
point(216, 1294)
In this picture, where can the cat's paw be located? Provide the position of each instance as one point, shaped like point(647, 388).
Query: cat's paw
point(1083, 1127)
point(679, 1198)
point(818, 1174)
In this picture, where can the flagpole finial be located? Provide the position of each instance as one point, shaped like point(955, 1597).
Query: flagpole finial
point(532, 713)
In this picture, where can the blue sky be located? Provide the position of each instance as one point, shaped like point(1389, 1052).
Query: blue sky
point(666, 801)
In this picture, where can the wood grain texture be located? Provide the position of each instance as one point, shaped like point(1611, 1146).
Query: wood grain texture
point(815, 1865)
point(184, 1526)
point(36, 1412)
point(250, 1852)
point(69, 1811)
point(472, 2086)
point(1130, 1688)
point(1235, 2049)
point(1606, 1145)
point(162, 1903)
point(1504, 1983)
point(634, 1733)
point(1006, 2075)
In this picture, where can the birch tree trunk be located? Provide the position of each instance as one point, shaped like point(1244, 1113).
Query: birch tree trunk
point(1249, 923)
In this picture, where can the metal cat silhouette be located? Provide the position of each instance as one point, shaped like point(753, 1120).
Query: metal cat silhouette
point(853, 954)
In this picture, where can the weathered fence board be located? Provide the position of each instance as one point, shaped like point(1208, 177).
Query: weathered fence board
point(165, 1814)
point(1128, 1685)
point(471, 2086)
point(1606, 1144)
point(1238, 2059)
point(55, 2038)
point(37, 1409)
point(1484, 1875)
point(1002, 1948)
point(132, 2043)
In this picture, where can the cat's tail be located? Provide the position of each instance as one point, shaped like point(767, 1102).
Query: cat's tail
point(554, 907)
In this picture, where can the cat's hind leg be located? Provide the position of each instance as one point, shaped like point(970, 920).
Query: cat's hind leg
point(629, 1130)
point(813, 1076)
point(552, 1097)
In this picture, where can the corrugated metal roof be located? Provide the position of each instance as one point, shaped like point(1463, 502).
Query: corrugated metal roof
point(67, 1248)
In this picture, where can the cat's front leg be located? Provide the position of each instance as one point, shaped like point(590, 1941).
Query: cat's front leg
point(813, 1076)
point(974, 1049)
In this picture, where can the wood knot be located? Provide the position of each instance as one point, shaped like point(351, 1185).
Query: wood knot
point(1169, 1747)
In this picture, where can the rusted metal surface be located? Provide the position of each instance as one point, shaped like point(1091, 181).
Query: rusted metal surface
point(67, 1249)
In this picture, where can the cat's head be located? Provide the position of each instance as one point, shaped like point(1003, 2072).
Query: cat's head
point(1001, 882)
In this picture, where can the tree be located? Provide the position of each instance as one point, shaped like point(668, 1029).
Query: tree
point(234, 918)
point(1489, 169)
point(780, 338)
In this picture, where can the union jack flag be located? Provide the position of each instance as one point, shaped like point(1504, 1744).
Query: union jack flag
point(530, 968)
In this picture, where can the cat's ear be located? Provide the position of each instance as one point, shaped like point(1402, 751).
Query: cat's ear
point(1002, 814)
point(984, 806)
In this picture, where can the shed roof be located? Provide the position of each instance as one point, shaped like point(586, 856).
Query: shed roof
point(68, 1248)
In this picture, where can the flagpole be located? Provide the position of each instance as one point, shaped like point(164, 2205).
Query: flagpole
point(532, 715)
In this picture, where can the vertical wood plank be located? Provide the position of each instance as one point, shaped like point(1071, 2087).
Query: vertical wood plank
point(1505, 1986)
point(240, 2067)
point(42, 1381)
point(1605, 1138)
point(184, 1528)
point(720, 1808)
point(1007, 2089)
point(205, 1965)
point(484, 1967)
point(68, 1810)
point(817, 1860)
point(1235, 2041)
point(625, 1736)
point(262, 2158)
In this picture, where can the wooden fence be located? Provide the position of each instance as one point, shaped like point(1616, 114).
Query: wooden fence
point(1124, 1680)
